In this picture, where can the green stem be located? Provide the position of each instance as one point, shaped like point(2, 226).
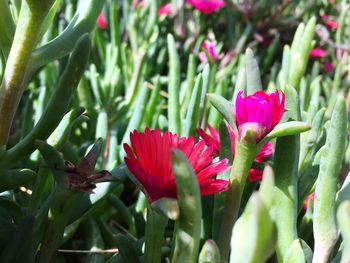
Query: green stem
point(58, 216)
point(12, 86)
point(7, 28)
point(154, 237)
point(244, 157)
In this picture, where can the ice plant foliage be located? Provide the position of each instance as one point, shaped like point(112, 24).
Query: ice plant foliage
point(206, 6)
point(208, 49)
point(101, 21)
point(213, 140)
point(149, 160)
point(258, 114)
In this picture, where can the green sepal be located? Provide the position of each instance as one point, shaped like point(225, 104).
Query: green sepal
point(167, 206)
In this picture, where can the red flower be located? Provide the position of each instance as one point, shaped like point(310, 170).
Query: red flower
point(258, 113)
point(206, 6)
point(150, 163)
point(213, 140)
point(165, 10)
point(318, 53)
point(101, 21)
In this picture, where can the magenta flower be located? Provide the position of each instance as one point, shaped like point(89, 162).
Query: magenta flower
point(165, 10)
point(149, 160)
point(208, 49)
point(213, 140)
point(330, 24)
point(259, 113)
point(101, 21)
point(317, 53)
point(328, 67)
point(206, 6)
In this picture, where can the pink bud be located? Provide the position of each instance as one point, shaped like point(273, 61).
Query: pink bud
point(208, 47)
point(258, 114)
point(101, 21)
point(318, 53)
point(331, 24)
point(328, 67)
point(309, 198)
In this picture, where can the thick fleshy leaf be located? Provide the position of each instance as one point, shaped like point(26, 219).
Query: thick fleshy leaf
point(287, 129)
point(343, 219)
point(252, 73)
point(254, 234)
point(225, 108)
point(209, 253)
point(295, 253)
point(189, 222)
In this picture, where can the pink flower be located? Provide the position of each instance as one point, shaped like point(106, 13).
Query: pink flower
point(259, 113)
point(206, 6)
point(328, 67)
point(330, 24)
point(317, 53)
point(149, 161)
point(165, 10)
point(213, 140)
point(101, 21)
point(208, 47)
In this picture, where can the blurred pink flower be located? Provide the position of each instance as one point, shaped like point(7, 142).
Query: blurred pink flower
point(206, 6)
point(331, 24)
point(318, 53)
point(213, 140)
point(101, 21)
point(328, 67)
point(208, 47)
point(137, 3)
point(258, 113)
point(165, 10)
